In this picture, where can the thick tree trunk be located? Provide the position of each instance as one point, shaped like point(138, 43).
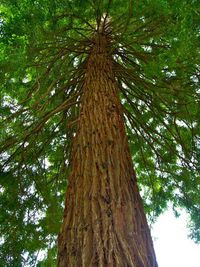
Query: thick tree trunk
point(104, 221)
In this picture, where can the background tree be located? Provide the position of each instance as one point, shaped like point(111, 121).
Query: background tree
point(44, 47)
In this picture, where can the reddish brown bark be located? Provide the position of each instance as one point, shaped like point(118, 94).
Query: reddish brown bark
point(104, 221)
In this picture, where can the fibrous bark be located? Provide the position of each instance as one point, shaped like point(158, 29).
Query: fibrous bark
point(104, 221)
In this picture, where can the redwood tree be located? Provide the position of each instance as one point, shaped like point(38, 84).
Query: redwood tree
point(87, 88)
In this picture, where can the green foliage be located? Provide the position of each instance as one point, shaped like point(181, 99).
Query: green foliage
point(43, 48)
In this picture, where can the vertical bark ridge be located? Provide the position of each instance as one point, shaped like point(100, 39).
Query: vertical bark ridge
point(104, 222)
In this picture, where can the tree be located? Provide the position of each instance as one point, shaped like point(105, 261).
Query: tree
point(87, 87)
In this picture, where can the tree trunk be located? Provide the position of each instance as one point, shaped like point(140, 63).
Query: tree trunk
point(104, 221)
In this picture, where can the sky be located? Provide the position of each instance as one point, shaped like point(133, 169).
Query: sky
point(173, 247)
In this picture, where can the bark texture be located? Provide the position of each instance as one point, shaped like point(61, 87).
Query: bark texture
point(104, 222)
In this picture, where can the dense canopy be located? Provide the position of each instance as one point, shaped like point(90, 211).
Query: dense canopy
point(44, 44)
